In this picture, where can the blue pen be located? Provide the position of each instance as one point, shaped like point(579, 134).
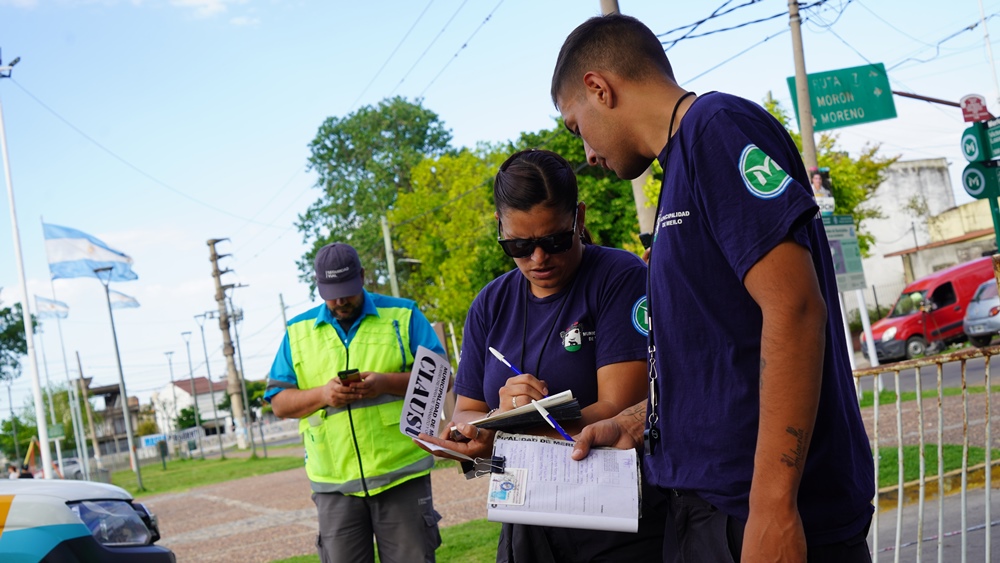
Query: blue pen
point(552, 421)
point(500, 357)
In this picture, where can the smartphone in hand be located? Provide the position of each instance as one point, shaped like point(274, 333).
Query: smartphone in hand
point(349, 376)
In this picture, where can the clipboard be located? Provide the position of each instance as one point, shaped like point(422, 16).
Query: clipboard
point(534, 481)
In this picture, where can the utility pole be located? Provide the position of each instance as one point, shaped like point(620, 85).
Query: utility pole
point(802, 88)
point(233, 387)
point(211, 385)
point(173, 390)
point(645, 213)
point(85, 393)
point(284, 317)
point(186, 335)
point(390, 258)
point(237, 318)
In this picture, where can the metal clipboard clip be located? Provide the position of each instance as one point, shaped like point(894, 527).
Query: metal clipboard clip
point(482, 466)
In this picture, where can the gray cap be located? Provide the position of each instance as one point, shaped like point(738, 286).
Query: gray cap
point(338, 271)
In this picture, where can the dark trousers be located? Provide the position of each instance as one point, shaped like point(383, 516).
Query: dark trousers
point(520, 543)
point(698, 532)
point(402, 520)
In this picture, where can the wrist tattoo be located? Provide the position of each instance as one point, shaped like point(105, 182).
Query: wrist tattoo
point(637, 412)
point(797, 454)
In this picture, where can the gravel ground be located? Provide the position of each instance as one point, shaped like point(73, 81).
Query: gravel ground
point(268, 517)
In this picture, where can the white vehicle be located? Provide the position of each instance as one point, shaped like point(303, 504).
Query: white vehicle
point(64, 520)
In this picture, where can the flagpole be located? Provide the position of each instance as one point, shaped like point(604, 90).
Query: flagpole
point(75, 412)
point(48, 391)
point(29, 330)
point(121, 378)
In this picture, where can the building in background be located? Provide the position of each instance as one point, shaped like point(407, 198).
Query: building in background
point(167, 410)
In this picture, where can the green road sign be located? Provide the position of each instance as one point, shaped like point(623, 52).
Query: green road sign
point(843, 238)
point(849, 96)
point(56, 431)
point(982, 141)
point(981, 180)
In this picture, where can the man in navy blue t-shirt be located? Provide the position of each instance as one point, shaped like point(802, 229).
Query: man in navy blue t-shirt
point(753, 425)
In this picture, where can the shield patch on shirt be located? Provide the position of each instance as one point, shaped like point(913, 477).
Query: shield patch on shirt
point(572, 337)
point(762, 175)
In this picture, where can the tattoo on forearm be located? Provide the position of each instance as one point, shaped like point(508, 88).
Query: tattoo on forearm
point(637, 412)
point(797, 455)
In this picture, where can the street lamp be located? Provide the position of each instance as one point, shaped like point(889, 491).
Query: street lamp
point(200, 319)
point(186, 335)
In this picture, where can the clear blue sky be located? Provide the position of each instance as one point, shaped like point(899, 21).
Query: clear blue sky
point(158, 124)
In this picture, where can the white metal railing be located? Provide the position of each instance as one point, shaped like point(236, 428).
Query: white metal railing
point(902, 496)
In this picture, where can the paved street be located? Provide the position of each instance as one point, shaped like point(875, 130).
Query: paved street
point(260, 519)
point(951, 539)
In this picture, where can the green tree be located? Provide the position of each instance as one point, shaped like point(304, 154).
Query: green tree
point(364, 162)
point(185, 419)
point(446, 225)
point(12, 342)
point(147, 427)
point(26, 430)
point(853, 181)
point(255, 395)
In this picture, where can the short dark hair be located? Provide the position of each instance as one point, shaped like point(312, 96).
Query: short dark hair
point(535, 177)
point(616, 43)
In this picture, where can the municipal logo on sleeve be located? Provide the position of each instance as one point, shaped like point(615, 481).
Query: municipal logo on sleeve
point(761, 175)
point(640, 316)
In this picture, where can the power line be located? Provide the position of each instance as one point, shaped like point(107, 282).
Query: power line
point(757, 44)
point(400, 44)
point(464, 45)
point(670, 44)
point(715, 14)
point(937, 46)
point(140, 171)
point(433, 41)
point(900, 31)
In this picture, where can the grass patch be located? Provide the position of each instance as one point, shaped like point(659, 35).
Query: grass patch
point(889, 397)
point(888, 468)
point(471, 542)
point(183, 474)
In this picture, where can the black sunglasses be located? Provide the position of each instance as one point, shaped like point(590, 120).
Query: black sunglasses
point(552, 244)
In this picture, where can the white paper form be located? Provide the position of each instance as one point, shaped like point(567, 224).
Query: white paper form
point(541, 485)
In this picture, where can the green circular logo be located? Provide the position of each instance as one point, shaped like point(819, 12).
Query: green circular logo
point(761, 175)
point(640, 316)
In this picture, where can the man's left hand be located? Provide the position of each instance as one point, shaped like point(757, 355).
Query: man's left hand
point(372, 384)
point(774, 535)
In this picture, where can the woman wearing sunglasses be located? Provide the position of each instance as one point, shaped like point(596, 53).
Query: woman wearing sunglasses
point(571, 316)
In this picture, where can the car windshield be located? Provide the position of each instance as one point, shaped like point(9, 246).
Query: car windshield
point(907, 304)
point(988, 290)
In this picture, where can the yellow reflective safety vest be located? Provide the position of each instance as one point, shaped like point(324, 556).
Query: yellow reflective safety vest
point(358, 449)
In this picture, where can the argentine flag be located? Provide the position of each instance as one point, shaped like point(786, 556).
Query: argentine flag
point(121, 301)
point(50, 308)
point(75, 254)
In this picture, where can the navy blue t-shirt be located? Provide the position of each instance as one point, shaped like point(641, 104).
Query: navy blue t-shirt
point(599, 319)
point(734, 188)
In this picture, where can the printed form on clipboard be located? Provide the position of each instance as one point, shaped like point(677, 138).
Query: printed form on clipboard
point(537, 483)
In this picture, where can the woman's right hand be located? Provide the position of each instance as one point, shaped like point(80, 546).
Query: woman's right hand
point(521, 390)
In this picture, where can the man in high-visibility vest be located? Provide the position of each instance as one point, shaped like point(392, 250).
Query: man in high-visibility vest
point(343, 369)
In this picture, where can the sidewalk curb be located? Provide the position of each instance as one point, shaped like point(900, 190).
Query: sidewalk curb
point(888, 498)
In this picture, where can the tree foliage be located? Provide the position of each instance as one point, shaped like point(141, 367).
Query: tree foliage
point(12, 342)
point(446, 224)
point(364, 161)
point(853, 180)
point(255, 395)
point(26, 430)
point(185, 418)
